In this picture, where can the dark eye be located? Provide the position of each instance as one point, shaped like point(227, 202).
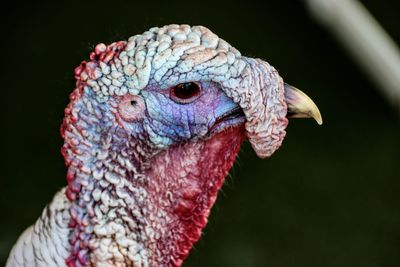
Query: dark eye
point(185, 92)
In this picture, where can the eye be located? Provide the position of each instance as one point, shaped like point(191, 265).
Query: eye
point(185, 93)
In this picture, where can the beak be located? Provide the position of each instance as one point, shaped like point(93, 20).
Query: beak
point(299, 105)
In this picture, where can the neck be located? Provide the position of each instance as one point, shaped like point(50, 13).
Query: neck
point(134, 205)
point(183, 187)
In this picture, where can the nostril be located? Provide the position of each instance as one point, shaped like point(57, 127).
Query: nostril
point(133, 102)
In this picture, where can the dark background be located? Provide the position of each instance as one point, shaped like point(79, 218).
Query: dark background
point(328, 197)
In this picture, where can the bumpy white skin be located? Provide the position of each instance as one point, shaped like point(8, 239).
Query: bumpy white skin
point(160, 57)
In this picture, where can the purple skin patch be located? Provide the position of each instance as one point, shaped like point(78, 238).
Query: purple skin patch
point(173, 123)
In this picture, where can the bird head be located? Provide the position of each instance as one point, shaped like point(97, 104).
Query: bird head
point(152, 129)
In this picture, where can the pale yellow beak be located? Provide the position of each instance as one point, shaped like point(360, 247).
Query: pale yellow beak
point(299, 105)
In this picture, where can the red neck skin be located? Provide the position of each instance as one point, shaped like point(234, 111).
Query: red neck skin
point(184, 183)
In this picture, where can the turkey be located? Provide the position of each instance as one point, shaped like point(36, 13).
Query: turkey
point(152, 128)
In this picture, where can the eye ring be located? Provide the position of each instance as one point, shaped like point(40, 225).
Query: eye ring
point(185, 93)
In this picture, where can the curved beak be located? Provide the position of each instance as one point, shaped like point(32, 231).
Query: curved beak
point(299, 105)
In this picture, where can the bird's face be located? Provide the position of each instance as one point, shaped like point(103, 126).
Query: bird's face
point(179, 113)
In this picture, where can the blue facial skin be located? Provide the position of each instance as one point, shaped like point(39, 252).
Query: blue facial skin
point(168, 122)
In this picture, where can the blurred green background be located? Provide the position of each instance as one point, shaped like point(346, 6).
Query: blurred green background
point(328, 197)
